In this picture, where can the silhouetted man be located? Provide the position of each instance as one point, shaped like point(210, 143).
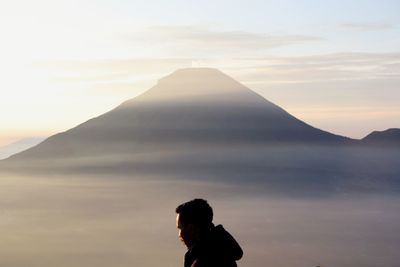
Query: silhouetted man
point(208, 245)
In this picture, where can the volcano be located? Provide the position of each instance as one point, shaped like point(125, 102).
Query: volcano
point(200, 124)
point(196, 106)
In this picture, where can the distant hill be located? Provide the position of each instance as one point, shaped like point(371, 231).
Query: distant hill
point(18, 146)
point(389, 137)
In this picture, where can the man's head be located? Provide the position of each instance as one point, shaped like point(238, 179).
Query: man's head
point(193, 219)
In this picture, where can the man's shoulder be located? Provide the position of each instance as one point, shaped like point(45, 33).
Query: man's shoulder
point(221, 243)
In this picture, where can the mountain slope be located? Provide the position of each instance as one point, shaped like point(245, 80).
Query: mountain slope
point(189, 107)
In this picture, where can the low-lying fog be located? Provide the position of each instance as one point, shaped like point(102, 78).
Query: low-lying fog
point(110, 221)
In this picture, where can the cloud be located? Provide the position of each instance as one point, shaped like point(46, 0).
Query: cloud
point(322, 68)
point(110, 69)
point(367, 26)
point(192, 40)
point(326, 68)
point(113, 75)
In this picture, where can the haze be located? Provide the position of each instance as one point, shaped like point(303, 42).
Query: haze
point(128, 221)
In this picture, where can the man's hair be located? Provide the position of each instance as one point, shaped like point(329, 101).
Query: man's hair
point(196, 211)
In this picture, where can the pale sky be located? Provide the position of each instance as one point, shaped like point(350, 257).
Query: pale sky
point(333, 64)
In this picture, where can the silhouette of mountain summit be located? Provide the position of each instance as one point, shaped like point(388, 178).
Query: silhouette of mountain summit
point(200, 124)
point(190, 106)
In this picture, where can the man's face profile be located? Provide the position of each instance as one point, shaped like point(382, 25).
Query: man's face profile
point(187, 233)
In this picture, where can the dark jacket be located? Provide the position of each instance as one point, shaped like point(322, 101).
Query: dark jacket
point(217, 248)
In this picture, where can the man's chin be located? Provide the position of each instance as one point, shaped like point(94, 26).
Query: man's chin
point(187, 244)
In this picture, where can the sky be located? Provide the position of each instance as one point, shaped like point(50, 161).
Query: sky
point(332, 64)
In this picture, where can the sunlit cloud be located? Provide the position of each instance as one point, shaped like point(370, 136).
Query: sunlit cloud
point(201, 41)
point(111, 69)
point(305, 69)
point(331, 70)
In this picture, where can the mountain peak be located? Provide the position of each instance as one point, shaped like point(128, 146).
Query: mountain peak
point(204, 77)
point(198, 84)
point(194, 74)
